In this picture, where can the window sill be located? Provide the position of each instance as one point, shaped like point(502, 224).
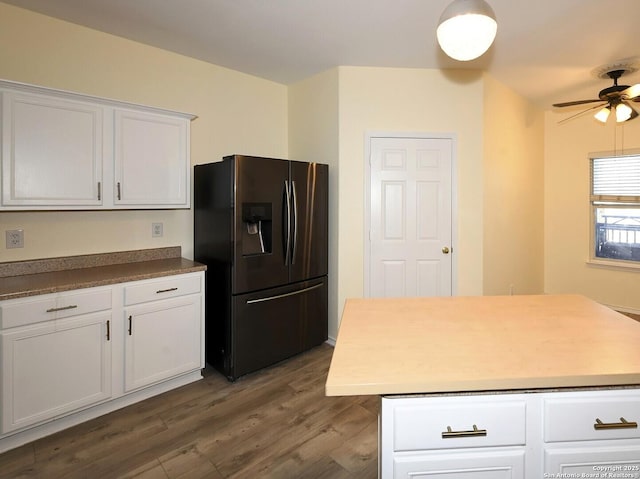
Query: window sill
point(614, 264)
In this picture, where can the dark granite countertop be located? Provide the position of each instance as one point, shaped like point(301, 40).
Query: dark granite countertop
point(32, 277)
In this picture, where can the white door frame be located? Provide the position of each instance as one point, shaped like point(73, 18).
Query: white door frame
point(369, 135)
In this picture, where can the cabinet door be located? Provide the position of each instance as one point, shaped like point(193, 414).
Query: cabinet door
point(482, 464)
point(151, 160)
point(51, 151)
point(54, 368)
point(620, 459)
point(162, 339)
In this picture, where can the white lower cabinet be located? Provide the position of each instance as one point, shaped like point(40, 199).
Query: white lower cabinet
point(453, 437)
point(67, 357)
point(162, 340)
point(54, 368)
point(580, 433)
point(480, 464)
point(587, 460)
point(595, 433)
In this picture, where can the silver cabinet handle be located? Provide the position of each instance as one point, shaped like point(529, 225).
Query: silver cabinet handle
point(99, 191)
point(63, 308)
point(448, 434)
point(119, 195)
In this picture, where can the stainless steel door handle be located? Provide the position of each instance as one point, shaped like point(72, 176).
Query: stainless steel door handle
point(278, 296)
point(288, 223)
point(295, 222)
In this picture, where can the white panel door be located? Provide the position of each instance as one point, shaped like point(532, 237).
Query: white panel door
point(411, 215)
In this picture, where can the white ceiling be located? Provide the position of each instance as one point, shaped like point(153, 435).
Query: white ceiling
point(546, 50)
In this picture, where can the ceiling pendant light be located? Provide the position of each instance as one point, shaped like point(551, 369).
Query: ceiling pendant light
point(466, 29)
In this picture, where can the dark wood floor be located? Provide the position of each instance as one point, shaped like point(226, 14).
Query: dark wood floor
point(276, 423)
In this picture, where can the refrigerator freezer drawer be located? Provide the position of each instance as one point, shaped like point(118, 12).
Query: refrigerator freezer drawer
point(274, 324)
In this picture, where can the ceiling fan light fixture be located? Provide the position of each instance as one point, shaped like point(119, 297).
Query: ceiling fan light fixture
point(603, 114)
point(466, 29)
point(623, 112)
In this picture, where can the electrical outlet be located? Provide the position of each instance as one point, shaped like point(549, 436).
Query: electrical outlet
point(156, 230)
point(15, 238)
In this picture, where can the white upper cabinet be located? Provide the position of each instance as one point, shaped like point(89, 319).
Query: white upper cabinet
point(65, 151)
point(151, 159)
point(51, 151)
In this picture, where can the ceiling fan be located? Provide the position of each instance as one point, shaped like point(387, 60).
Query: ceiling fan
point(616, 98)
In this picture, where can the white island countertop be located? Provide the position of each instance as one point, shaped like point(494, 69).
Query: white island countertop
point(481, 343)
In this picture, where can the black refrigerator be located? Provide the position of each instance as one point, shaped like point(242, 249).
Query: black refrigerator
point(261, 227)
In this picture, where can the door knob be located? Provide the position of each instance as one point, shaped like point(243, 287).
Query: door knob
point(445, 250)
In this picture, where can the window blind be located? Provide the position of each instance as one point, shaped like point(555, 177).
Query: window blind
point(615, 180)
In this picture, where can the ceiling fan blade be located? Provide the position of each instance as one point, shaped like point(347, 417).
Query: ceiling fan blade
point(631, 93)
point(564, 120)
point(572, 103)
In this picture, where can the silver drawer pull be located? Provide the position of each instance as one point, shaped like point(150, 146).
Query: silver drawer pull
point(448, 434)
point(63, 308)
point(166, 290)
point(623, 424)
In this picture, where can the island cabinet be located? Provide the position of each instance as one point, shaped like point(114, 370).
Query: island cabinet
point(64, 151)
point(508, 435)
point(73, 355)
point(437, 437)
point(591, 432)
point(540, 386)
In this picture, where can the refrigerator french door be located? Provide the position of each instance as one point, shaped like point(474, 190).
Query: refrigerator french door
point(260, 226)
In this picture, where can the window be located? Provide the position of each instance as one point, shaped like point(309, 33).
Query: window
point(615, 207)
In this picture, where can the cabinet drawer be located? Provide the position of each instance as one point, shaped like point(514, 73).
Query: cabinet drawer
point(492, 463)
point(575, 419)
point(447, 423)
point(167, 287)
point(24, 311)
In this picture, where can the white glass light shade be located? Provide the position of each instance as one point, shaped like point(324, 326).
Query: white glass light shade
point(603, 114)
point(623, 112)
point(466, 29)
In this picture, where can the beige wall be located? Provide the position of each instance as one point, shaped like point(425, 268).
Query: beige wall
point(313, 136)
point(513, 211)
point(567, 225)
point(237, 113)
point(409, 100)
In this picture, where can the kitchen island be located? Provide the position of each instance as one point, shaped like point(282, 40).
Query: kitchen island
point(502, 386)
